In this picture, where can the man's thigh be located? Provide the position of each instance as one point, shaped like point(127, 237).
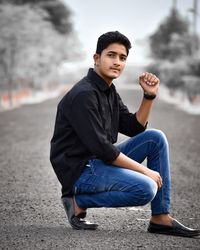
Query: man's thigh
point(99, 177)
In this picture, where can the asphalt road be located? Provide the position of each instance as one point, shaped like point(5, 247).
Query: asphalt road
point(31, 214)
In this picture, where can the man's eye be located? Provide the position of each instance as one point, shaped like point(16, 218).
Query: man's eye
point(111, 55)
point(123, 58)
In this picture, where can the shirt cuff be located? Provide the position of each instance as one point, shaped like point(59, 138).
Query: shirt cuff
point(138, 126)
point(111, 154)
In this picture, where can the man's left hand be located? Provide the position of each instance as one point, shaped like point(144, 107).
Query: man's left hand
point(150, 83)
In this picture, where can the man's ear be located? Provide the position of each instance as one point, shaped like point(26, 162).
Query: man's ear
point(96, 59)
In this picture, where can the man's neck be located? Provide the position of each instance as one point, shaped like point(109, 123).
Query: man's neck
point(107, 80)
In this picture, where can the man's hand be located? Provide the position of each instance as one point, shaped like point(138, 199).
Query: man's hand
point(149, 83)
point(155, 176)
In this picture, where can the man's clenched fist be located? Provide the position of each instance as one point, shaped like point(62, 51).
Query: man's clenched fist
point(149, 83)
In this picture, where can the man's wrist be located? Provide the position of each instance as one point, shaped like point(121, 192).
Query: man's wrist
point(149, 96)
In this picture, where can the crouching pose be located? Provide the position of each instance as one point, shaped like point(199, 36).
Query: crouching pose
point(92, 170)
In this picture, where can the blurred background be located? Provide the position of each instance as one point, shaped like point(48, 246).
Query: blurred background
point(47, 45)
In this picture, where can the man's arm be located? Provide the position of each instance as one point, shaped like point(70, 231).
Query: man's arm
point(124, 161)
point(150, 85)
point(144, 111)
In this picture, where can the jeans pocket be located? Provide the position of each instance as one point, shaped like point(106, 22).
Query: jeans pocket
point(85, 185)
point(86, 181)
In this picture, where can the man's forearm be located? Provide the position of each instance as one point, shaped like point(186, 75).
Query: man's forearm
point(144, 111)
point(125, 162)
point(149, 84)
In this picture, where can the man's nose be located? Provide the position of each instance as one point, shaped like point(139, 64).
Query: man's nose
point(117, 61)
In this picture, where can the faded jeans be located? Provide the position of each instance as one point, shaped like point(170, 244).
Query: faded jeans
point(102, 185)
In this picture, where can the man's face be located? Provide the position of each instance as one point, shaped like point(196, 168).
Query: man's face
point(110, 64)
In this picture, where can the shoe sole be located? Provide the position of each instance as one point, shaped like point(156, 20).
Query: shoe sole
point(189, 235)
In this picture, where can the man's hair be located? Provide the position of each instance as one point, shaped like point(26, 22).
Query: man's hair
point(112, 37)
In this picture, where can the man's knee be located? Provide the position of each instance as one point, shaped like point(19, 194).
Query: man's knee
point(149, 191)
point(158, 137)
point(145, 194)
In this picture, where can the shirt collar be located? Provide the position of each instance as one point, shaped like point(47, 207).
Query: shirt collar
point(99, 81)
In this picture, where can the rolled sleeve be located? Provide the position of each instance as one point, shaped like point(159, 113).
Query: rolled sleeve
point(86, 121)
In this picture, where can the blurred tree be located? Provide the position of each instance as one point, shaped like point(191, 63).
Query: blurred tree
point(171, 40)
point(30, 48)
point(172, 73)
point(59, 14)
point(194, 64)
point(174, 61)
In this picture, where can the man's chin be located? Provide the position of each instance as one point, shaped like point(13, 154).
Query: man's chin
point(114, 76)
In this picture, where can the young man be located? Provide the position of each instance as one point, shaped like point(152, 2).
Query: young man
point(92, 170)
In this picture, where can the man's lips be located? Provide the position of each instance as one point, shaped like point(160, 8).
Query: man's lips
point(115, 69)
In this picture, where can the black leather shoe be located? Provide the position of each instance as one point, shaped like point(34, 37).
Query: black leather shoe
point(76, 222)
point(177, 229)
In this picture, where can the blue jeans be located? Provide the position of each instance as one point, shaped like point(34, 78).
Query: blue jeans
point(102, 185)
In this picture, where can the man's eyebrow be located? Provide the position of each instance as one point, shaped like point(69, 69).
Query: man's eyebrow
point(114, 52)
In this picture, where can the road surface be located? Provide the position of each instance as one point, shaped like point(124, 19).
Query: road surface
point(32, 216)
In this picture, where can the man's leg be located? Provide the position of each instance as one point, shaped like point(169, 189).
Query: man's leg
point(131, 188)
point(158, 160)
point(153, 144)
point(110, 186)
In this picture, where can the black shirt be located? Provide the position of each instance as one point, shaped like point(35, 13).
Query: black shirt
point(88, 120)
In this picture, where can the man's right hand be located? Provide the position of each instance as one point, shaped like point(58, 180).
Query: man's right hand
point(155, 176)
